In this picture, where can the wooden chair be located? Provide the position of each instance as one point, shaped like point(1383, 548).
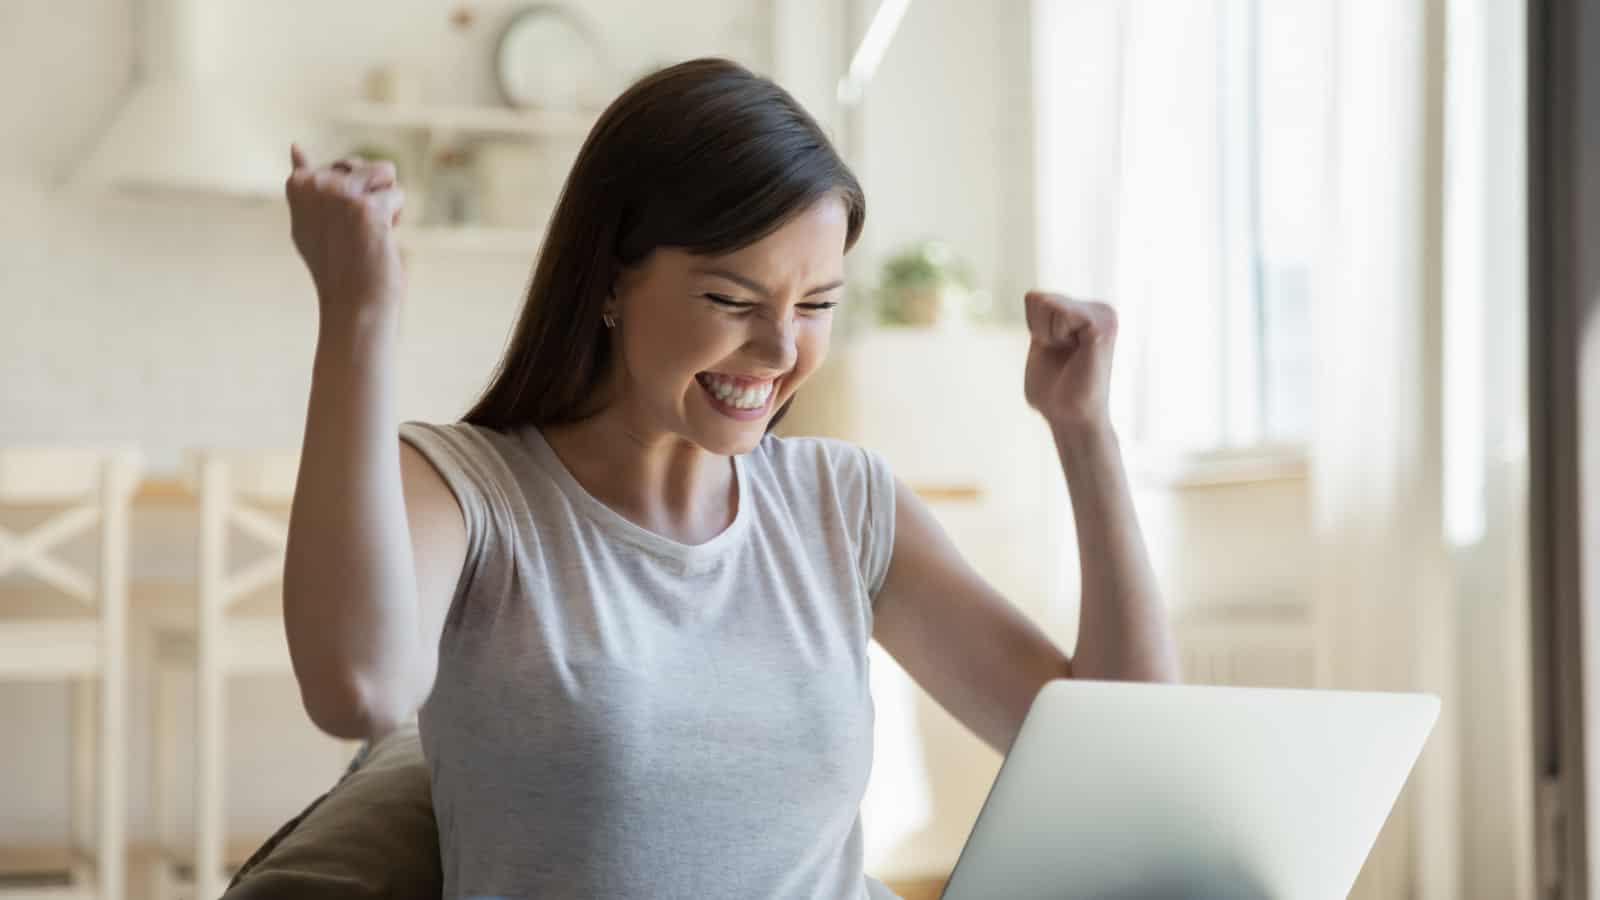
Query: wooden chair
point(82, 642)
point(248, 493)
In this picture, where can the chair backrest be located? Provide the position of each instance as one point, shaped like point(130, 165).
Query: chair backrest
point(259, 476)
point(82, 487)
point(238, 490)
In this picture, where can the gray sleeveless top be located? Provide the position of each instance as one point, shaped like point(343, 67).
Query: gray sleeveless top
point(618, 715)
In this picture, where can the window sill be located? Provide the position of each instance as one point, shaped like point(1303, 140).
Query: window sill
point(1189, 469)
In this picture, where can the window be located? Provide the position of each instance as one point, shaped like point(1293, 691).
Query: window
point(1182, 166)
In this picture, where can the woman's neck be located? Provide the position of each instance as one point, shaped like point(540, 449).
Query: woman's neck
point(659, 481)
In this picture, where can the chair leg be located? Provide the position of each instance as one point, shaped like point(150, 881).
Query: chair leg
point(210, 823)
point(211, 600)
point(112, 783)
point(162, 780)
point(85, 702)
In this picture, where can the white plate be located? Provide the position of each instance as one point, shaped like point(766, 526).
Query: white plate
point(548, 59)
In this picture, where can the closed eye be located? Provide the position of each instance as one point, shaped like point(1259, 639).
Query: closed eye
point(742, 305)
point(728, 302)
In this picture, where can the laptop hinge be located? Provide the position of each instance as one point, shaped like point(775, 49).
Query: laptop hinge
point(1552, 848)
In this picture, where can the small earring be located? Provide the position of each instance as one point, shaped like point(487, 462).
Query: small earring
point(609, 319)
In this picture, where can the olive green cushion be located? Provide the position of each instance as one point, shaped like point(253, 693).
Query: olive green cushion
point(373, 835)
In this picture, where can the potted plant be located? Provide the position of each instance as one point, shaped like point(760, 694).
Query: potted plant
point(924, 285)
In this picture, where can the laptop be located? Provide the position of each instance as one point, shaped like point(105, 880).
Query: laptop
point(1117, 790)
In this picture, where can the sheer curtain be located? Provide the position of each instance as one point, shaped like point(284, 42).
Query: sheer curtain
point(1486, 436)
point(1137, 207)
point(1384, 592)
point(1419, 465)
point(1130, 199)
point(1181, 150)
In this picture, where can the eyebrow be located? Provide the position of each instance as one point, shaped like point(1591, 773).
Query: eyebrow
point(756, 286)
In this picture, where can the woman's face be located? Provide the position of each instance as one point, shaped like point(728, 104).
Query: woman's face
point(712, 346)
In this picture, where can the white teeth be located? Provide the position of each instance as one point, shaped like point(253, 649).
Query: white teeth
point(730, 392)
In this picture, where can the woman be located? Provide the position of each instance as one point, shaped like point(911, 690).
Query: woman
point(634, 623)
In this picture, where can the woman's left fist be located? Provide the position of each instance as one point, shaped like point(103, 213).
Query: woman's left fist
point(1068, 375)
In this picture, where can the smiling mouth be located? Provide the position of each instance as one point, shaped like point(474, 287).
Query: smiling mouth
point(739, 395)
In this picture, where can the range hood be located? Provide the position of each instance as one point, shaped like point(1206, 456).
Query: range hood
point(181, 127)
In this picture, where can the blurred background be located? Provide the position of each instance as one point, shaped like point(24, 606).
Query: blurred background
point(1311, 216)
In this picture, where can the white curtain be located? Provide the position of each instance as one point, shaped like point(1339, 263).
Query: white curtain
point(1150, 180)
point(1419, 464)
point(1133, 198)
point(1384, 598)
point(1486, 437)
point(1121, 86)
point(1169, 268)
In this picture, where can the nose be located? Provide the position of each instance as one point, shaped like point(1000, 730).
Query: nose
point(773, 343)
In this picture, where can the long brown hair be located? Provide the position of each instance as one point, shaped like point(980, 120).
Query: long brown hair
point(705, 156)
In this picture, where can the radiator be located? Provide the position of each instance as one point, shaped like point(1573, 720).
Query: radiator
point(1248, 654)
point(1282, 653)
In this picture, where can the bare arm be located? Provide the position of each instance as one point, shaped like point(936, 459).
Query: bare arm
point(974, 652)
point(375, 544)
point(983, 659)
point(1123, 632)
point(964, 643)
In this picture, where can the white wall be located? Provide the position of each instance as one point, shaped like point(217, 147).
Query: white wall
point(175, 324)
point(948, 141)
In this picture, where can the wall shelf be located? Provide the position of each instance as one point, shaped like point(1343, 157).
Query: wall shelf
point(1180, 470)
point(459, 120)
point(472, 239)
point(427, 129)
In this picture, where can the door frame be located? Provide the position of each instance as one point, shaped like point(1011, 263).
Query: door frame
point(1564, 443)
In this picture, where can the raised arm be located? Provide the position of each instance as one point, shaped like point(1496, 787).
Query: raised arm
point(1123, 632)
point(973, 651)
point(376, 541)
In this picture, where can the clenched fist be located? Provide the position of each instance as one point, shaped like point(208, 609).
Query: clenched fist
point(1068, 374)
point(343, 218)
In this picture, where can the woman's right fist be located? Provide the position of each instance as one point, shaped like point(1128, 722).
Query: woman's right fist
point(342, 219)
